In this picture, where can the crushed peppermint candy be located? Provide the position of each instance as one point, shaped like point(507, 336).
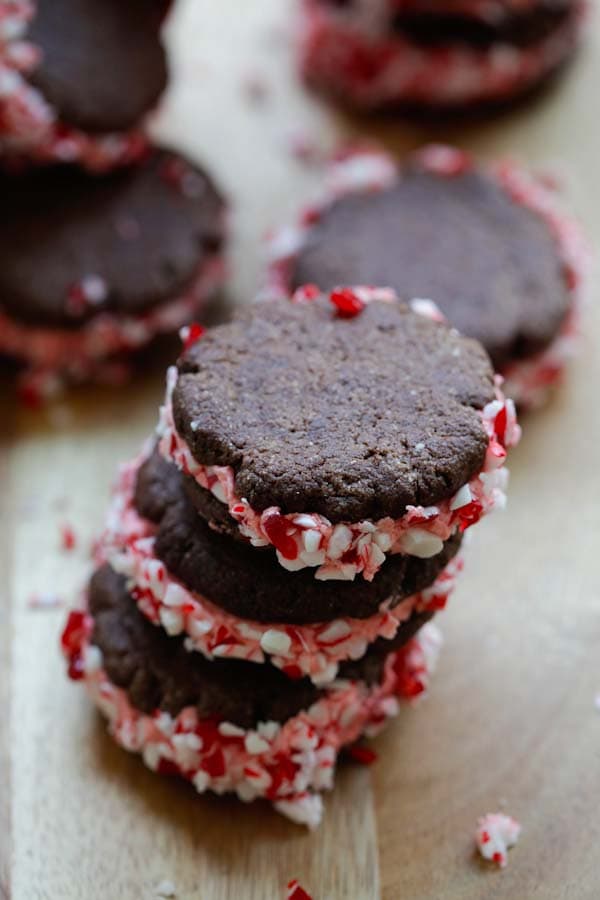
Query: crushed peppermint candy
point(44, 600)
point(496, 834)
point(366, 756)
point(191, 334)
point(315, 650)
point(68, 539)
point(347, 302)
point(345, 550)
point(296, 892)
point(288, 764)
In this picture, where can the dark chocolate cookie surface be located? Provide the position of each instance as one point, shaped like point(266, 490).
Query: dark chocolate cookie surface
point(250, 583)
point(350, 418)
point(490, 264)
point(102, 65)
point(137, 236)
point(157, 672)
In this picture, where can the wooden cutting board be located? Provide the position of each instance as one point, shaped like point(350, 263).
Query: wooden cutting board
point(511, 723)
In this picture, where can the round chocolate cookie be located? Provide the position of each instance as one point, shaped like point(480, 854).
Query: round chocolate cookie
point(490, 263)
point(251, 584)
point(351, 418)
point(73, 245)
point(101, 66)
point(158, 672)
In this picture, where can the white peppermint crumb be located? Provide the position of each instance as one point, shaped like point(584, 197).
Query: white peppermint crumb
point(44, 601)
point(165, 889)
point(496, 834)
point(597, 702)
point(275, 642)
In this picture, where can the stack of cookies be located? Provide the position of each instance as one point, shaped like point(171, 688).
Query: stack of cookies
point(106, 241)
point(436, 55)
point(273, 559)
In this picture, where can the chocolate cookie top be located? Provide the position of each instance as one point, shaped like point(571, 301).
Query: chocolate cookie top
point(489, 263)
point(251, 584)
point(74, 244)
point(157, 671)
point(351, 418)
point(102, 65)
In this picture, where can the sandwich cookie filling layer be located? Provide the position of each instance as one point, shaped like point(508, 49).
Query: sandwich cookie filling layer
point(344, 549)
point(314, 650)
point(287, 762)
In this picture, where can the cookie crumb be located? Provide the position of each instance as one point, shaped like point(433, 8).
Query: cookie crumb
point(496, 833)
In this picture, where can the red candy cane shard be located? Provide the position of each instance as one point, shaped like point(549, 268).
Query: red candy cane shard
point(295, 892)
point(347, 303)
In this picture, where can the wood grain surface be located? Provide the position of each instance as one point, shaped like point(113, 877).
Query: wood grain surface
point(511, 722)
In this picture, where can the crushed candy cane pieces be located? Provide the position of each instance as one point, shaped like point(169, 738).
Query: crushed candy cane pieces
point(68, 540)
point(496, 834)
point(44, 600)
point(347, 303)
point(363, 755)
point(191, 334)
point(296, 892)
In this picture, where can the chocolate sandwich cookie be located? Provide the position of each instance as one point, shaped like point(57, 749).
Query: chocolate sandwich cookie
point(488, 245)
point(253, 585)
point(232, 601)
point(158, 672)
point(79, 78)
point(228, 725)
point(340, 429)
point(437, 56)
point(92, 268)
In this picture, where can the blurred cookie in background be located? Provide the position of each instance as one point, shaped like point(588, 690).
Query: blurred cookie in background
point(78, 78)
point(93, 269)
point(436, 55)
point(489, 245)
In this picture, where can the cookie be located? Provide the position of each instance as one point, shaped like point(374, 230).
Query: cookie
point(93, 268)
point(232, 601)
point(65, 65)
point(252, 585)
point(230, 726)
point(443, 57)
point(340, 429)
point(488, 245)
